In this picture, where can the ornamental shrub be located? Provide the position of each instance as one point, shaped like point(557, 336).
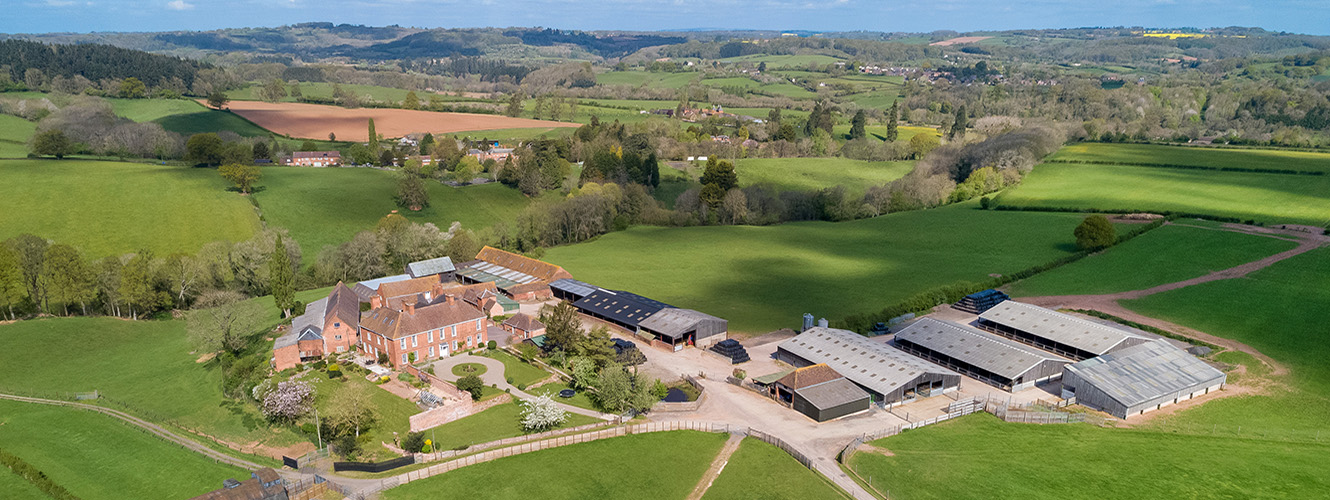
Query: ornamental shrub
point(492, 345)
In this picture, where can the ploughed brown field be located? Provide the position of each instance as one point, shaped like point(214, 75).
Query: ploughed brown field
point(313, 121)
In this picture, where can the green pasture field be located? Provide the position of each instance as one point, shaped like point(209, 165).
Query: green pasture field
point(623, 467)
point(653, 80)
point(325, 90)
point(878, 133)
point(328, 206)
point(1165, 255)
point(880, 99)
point(672, 184)
point(818, 173)
point(1273, 159)
point(758, 470)
point(1270, 198)
point(977, 456)
point(18, 488)
point(111, 208)
point(14, 134)
point(509, 134)
point(500, 422)
point(746, 273)
point(782, 61)
point(95, 456)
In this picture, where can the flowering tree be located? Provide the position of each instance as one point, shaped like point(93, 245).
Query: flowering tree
point(541, 413)
point(288, 401)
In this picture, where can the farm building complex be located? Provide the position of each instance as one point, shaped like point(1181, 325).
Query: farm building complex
point(520, 277)
point(820, 393)
point(1139, 379)
point(1062, 334)
point(889, 375)
point(646, 317)
point(1004, 363)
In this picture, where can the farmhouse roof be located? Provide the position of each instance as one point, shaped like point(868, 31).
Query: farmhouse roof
point(343, 304)
point(411, 286)
point(396, 324)
point(997, 355)
point(874, 365)
point(538, 270)
point(1144, 372)
point(430, 267)
point(1058, 327)
point(524, 322)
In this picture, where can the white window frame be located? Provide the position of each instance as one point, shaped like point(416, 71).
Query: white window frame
point(429, 336)
point(404, 361)
point(431, 351)
point(415, 341)
point(403, 342)
point(477, 325)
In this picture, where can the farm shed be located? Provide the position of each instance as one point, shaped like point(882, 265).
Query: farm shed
point(685, 326)
point(519, 276)
point(1140, 378)
point(624, 309)
point(1062, 334)
point(994, 360)
point(889, 375)
point(442, 267)
point(571, 290)
point(820, 393)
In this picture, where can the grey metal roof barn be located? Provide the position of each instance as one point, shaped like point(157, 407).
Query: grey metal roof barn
point(1140, 378)
point(994, 360)
point(888, 374)
point(1050, 330)
point(571, 290)
point(680, 324)
point(431, 267)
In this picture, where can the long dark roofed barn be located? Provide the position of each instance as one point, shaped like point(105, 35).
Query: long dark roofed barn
point(621, 308)
point(1004, 363)
point(889, 375)
point(1062, 334)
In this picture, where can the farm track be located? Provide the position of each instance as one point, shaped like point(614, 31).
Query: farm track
point(1108, 303)
point(155, 429)
point(716, 467)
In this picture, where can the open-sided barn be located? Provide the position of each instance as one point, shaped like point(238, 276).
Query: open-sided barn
point(820, 392)
point(890, 375)
point(1139, 379)
point(1062, 334)
point(1004, 363)
point(519, 276)
point(685, 326)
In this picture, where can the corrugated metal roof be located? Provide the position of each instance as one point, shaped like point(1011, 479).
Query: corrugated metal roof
point(569, 285)
point(1062, 328)
point(674, 322)
point(831, 394)
point(875, 365)
point(771, 378)
point(1144, 372)
point(430, 267)
point(625, 307)
point(997, 355)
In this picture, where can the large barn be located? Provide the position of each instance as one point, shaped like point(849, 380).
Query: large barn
point(1140, 378)
point(1062, 334)
point(994, 360)
point(625, 309)
point(520, 277)
point(680, 327)
point(641, 315)
point(891, 376)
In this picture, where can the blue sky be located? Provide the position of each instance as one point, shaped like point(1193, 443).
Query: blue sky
point(37, 16)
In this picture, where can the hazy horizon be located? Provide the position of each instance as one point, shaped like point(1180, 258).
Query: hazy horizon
point(52, 16)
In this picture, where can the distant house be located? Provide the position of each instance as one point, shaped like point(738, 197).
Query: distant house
point(496, 154)
point(523, 327)
point(313, 159)
point(330, 324)
point(263, 484)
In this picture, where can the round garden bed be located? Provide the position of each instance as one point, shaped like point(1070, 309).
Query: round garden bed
point(465, 369)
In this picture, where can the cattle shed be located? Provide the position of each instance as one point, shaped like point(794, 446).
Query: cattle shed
point(571, 290)
point(889, 375)
point(1140, 378)
point(994, 360)
point(820, 393)
point(1061, 334)
point(685, 326)
point(624, 309)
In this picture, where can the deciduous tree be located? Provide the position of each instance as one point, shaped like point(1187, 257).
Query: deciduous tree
point(1095, 232)
point(412, 101)
point(411, 192)
point(288, 401)
point(242, 175)
point(133, 88)
point(541, 413)
point(351, 411)
point(31, 253)
point(218, 100)
point(473, 385)
point(51, 142)
point(563, 329)
point(68, 277)
point(11, 280)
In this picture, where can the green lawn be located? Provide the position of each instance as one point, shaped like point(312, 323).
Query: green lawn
point(392, 412)
point(764, 278)
point(97, 457)
point(500, 422)
point(520, 372)
point(758, 470)
point(1272, 198)
point(325, 90)
point(979, 456)
point(465, 369)
point(111, 208)
point(328, 206)
point(818, 173)
point(14, 134)
point(1184, 155)
point(1164, 255)
point(581, 400)
point(658, 465)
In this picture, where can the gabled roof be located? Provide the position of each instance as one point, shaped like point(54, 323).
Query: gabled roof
point(369, 288)
point(1145, 372)
point(673, 322)
point(508, 261)
point(625, 307)
point(308, 326)
point(524, 322)
point(874, 365)
point(343, 304)
point(394, 324)
point(411, 286)
point(1058, 327)
point(995, 354)
point(316, 154)
point(430, 267)
point(575, 287)
point(809, 375)
point(833, 393)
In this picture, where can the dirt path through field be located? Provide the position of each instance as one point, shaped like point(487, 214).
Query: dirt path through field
point(1108, 303)
point(716, 467)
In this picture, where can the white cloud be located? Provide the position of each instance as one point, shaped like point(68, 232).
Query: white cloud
point(179, 5)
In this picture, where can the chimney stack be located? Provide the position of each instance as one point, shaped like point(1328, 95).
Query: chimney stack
point(409, 307)
point(375, 302)
point(450, 299)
